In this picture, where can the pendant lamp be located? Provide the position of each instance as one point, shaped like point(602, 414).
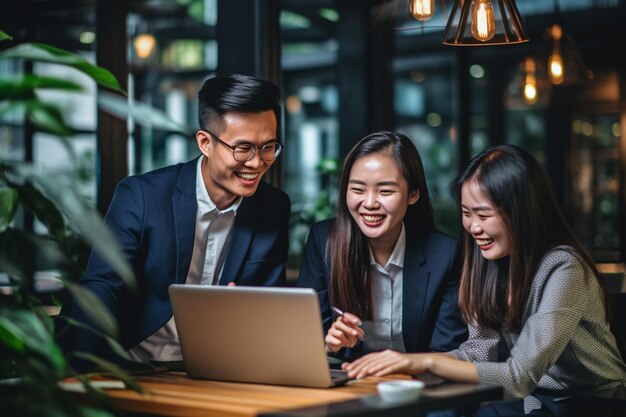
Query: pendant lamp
point(484, 22)
point(564, 62)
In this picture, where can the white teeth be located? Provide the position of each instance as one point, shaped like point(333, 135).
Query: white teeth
point(247, 176)
point(372, 219)
point(484, 242)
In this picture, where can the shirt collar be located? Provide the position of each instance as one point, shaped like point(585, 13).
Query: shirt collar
point(205, 204)
point(397, 255)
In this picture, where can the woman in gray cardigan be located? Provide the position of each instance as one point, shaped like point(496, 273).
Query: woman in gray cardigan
point(536, 306)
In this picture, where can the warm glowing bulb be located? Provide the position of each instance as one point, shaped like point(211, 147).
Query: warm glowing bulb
point(144, 45)
point(555, 67)
point(530, 89)
point(556, 32)
point(422, 9)
point(483, 20)
point(530, 81)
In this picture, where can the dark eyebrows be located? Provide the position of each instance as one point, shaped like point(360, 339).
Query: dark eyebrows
point(388, 183)
point(379, 184)
point(247, 142)
point(477, 208)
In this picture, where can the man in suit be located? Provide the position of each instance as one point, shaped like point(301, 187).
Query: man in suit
point(208, 221)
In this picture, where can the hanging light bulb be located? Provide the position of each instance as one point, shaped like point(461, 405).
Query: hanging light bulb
point(530, 90)
point(530, 81)
point(483, 20)
point(556, 69)
point(482, 29)
point(557, 73)
point(422, 9)
point(144, 45)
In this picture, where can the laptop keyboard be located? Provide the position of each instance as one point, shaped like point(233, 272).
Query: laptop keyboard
point(337, 374)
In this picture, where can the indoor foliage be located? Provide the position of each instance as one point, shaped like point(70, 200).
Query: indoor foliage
point(31, 362)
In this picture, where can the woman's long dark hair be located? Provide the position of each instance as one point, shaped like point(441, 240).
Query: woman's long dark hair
point(346, 246)
point(523, 195)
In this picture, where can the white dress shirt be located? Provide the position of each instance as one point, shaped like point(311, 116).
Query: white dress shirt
point(385, 331)
point(212, 237)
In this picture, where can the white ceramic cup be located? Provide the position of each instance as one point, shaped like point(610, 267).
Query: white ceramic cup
point(400, 391)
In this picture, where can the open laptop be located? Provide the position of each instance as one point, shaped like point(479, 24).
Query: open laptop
point(253, 334)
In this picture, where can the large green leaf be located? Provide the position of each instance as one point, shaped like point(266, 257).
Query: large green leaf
point(20, 251)
point(93, 307)
point(95, 412)
point(46, 318)
point(111, 342)
point(8, 206)
point(111, 368)
point(10, 336)
point(42, 208)
point(129, 364)
point(62, 191)
point(4, 36)
point(26, 326)
point(12, 259)
point(12, 88)
point(9, 90)
point(97, 397)
point(46, 53)
point(142, 113)
point(45, 116)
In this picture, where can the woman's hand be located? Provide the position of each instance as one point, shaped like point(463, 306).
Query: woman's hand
point(388, 362)
point(344, 332)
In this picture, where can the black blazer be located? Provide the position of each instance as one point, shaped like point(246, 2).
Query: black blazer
point(431, 319)
point(153, 217)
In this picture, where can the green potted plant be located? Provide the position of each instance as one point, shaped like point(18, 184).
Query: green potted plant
point(31, 362)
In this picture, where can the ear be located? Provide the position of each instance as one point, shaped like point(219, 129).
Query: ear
point(203, 139)
point(414, 196)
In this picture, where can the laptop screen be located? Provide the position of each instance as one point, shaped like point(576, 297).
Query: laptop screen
point(251, 334)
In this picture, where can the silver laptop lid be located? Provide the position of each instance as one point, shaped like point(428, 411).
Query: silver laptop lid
point(251, 334)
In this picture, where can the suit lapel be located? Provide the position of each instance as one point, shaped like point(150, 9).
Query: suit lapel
point(414, 288)
point(185, 205)
point(240, 240)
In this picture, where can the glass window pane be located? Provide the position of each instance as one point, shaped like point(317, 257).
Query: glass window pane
point(424, 112)
point(79, 112)
point(169, 80)
point(311, 137)
point(595, 190)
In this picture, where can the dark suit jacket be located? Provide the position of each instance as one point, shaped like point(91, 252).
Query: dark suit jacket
point(153, 217)
point(431, 320)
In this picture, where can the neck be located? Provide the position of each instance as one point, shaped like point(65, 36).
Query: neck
point(383, 246)
point(381, 256)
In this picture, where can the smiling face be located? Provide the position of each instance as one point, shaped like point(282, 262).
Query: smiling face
point(378, 197)
point(484, 223)
point(226, 179)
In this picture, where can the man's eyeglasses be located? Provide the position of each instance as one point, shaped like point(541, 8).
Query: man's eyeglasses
point(244, 152)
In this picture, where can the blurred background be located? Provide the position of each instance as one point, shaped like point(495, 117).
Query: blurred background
point(347, 68)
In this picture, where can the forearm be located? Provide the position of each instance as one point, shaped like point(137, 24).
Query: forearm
point(447, 367)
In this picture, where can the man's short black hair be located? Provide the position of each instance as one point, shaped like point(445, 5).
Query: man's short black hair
point(235, 93)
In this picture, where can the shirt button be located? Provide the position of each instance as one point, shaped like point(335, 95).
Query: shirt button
point(387, 321)
point(387, 294)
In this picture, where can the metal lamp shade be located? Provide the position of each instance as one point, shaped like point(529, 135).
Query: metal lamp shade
point(505, 23)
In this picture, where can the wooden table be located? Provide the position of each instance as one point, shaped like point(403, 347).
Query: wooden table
point(174, 394)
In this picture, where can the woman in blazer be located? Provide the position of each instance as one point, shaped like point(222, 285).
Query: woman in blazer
point(386, 278)
point(528, 284)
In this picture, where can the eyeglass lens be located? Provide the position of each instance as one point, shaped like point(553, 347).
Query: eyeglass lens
point(268, 152)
